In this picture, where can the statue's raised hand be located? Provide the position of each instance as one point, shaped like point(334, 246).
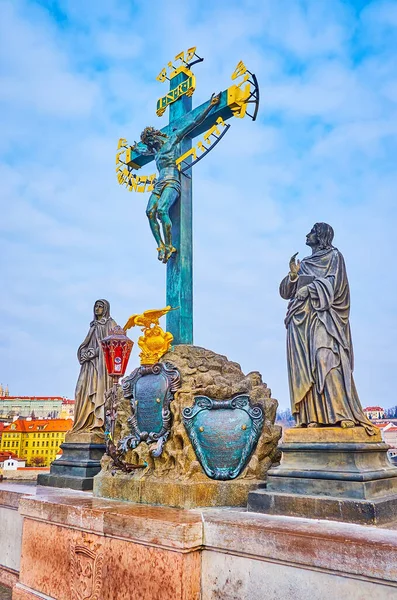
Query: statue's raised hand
point(294, 267)
point(215, 99)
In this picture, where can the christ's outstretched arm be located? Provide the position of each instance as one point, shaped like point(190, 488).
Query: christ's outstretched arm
point(190, 125)
point(143, 149)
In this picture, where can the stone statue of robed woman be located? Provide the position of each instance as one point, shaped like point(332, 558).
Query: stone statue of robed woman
point(93, 379)
point(319, 346)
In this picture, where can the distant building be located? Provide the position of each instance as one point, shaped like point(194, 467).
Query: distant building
point(12, 464)
point(67, 410)
point(31, 440)
point(374, 412)
point(389, 435)
point(6, 456)
point(388, 430)
point(4, 391)
point(42, 407)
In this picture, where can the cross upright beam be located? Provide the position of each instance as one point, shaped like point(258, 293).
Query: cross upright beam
point(180, 266)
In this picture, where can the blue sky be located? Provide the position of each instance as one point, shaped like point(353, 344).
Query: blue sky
point(76, 76)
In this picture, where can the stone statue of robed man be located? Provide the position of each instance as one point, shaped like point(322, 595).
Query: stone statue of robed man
point(93, 379)
point(319, 346)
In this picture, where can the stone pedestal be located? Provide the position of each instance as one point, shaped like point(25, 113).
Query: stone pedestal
point(76, 468)
point(331, 473)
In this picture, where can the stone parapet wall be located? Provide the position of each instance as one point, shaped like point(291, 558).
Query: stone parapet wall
point(10, 533)
point(28, 474)
point(138, 552)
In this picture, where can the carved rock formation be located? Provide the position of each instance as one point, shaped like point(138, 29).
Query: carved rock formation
point(206, 373)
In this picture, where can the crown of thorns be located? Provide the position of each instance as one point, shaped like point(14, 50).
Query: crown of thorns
point(150, 132)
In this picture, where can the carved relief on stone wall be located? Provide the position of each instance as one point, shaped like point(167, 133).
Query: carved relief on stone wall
point(85, 573)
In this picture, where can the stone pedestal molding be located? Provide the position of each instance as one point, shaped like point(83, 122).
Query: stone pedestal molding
point(76, 468)
point(330, 473)
point(188, 494)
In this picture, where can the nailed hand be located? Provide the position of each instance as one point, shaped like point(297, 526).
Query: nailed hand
point(215, 99)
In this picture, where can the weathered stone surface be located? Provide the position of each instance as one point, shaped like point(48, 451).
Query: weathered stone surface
point(348, 510)
point(229, 577)
point(18, 593)
point(184, 494)
point(11, 535)
point(206, 373)
point(298, 435)
point(146, 553)
point(115, 569)
point(84, 438)
point(8, 578)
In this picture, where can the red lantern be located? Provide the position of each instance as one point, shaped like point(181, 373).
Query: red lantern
point(116, 349)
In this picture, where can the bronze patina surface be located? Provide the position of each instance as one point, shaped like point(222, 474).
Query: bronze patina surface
point(150, 389)
point(223, 433)
point(334, 464)
point(319, 346)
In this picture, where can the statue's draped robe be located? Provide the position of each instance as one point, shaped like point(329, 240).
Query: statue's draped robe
point(93, 380)
point(319, 346)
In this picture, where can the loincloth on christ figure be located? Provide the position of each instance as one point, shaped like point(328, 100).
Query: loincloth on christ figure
point(167, 182)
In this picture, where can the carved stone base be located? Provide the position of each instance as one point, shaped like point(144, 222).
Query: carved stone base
point(76, 468)
point(190, 494)
point(84, 438)
point(179, 476)
point(331, 473)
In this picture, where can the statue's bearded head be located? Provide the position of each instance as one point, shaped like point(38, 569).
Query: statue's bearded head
point(153, 138)
point(321, 236)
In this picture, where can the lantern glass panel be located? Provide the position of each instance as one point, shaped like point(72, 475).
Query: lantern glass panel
point(116, 349)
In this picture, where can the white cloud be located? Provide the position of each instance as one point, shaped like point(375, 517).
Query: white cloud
point(36, 73)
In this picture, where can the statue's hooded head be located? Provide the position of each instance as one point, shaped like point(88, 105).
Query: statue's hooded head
point(321, 236)
point(152, 138)
point(101, 310)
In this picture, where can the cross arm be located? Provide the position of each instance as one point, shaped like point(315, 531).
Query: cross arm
point(138, 159)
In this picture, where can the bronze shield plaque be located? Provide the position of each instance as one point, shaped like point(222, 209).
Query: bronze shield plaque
point(150, 389)
point(223, 433)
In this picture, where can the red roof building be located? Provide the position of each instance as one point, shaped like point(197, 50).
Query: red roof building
point(35, 440)
point(374, 412)
point(47, 425)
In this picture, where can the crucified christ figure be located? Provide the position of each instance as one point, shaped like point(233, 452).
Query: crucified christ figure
point(167, 187)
